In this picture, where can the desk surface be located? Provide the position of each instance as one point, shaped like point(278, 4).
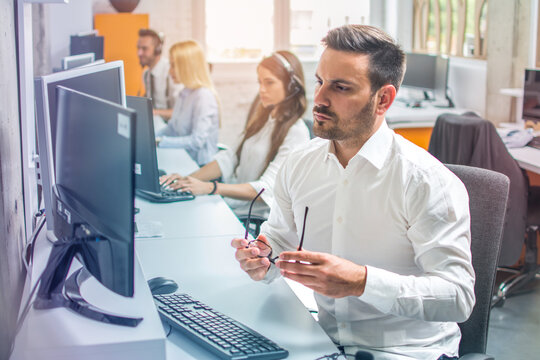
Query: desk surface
point(195, 251)
point(401, 116)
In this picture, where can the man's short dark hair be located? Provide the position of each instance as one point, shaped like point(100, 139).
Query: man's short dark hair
point(154, 35)
point(386, 59)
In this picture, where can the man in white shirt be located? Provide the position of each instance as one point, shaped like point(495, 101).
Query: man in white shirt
point(158, 84)
point(387, 237)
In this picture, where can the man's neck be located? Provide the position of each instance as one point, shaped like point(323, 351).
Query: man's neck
point(154, 63)
point(346, 149)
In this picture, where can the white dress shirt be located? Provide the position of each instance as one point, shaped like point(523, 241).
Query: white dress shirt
point(400, 212)
point(159, 85)
point(252, 162)
point(194, 125)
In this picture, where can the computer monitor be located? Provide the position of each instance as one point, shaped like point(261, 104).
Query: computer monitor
point(94, 202)
point(146, 167)
point(74, 61)
point(85, 43)
point(105, 81)
point(428, 73)
point(531, 95)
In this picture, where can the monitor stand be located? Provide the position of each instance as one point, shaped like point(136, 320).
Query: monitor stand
point(56, 290)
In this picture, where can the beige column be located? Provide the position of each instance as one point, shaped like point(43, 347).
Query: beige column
point(507, 54)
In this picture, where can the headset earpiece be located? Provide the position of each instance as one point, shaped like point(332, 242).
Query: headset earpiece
point(295, 85)
point(159, 46)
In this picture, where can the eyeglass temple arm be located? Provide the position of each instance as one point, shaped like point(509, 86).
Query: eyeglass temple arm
point(303, 231)
point(249, 212)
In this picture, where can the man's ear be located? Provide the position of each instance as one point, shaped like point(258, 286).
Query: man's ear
point(385, 97)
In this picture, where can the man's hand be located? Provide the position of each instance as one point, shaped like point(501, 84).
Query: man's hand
point(250, 257)
point(323, 273)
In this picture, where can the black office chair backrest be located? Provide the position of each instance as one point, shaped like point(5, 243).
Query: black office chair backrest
point(470, 140)
point(488, 194)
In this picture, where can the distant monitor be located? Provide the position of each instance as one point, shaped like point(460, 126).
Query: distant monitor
point(105, 81)
point(74, 61)
point(80, 44)
point(531, 95)
point(146, 167)
point(94, 203)
point(428, 73)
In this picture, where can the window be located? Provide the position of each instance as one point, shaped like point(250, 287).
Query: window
point(258, 27)
point(239, 29)
point(311, 20)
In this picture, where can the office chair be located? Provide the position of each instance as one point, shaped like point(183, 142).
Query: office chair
point(254, 224)
point(309, 124)
point(470, 140)
point(488, 194)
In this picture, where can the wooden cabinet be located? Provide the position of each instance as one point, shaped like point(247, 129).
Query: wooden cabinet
point(121, 32)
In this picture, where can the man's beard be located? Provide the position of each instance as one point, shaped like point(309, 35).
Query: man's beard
point(358, 126)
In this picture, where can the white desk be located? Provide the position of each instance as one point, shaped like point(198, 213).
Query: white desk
point(401, 116)
point(527, 157)
point(204, 266)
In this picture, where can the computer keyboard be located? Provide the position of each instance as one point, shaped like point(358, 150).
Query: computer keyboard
point(165, 196)
point(535, 142)
point(217, 333)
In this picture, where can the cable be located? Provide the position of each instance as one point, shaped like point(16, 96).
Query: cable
point(28, 252)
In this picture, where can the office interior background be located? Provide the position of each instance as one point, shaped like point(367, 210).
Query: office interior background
point(489, 53)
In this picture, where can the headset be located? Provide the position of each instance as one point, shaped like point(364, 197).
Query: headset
point(159, 46)
point(295, 84)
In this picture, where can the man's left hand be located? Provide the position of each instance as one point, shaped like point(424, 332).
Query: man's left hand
point(325, 274)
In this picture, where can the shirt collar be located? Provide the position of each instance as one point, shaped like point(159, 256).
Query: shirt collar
point(375, 150)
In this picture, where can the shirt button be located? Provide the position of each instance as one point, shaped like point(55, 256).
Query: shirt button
point(342, 325)
point(339, 220)
point(345, 182)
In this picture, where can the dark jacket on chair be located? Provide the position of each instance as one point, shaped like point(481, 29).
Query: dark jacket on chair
point(470, 140)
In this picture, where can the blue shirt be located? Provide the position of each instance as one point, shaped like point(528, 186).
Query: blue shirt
point(194, 125)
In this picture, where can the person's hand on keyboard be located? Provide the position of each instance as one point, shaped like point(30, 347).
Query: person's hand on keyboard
point(170, 181)
point(190, 184)
point(252, 258)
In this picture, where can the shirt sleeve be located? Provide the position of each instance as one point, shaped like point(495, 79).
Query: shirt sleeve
point(438, 213)
point(204, 118)
point(227, 161)
point(298, 134)
point(280, 229)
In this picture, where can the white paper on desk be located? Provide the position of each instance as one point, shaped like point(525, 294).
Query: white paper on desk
point(148, 229)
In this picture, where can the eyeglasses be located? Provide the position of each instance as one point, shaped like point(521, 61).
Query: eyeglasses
point(263, 246)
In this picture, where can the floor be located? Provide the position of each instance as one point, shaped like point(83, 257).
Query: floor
point(514, 328)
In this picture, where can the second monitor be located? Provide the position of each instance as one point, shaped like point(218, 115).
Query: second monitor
point(146, 165)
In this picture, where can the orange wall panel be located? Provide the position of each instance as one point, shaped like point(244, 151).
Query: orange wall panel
point(121, 34)
point(418, 136)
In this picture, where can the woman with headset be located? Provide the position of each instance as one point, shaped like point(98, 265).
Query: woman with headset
point(274, 127)
point(194, 123)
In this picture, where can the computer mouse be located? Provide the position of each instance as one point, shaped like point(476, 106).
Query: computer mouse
point(161, 285)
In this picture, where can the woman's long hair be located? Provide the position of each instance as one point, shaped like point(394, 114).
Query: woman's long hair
point(190, 67)
point(288, 110)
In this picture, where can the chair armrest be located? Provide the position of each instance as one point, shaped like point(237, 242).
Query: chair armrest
point(476, 356)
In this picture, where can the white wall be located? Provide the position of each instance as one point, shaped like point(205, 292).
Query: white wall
point(65, 20)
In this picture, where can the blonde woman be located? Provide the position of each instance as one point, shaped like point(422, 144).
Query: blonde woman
point(273, 129)
point(194, 123)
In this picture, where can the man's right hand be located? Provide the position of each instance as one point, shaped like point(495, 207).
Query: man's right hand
point(248, 257)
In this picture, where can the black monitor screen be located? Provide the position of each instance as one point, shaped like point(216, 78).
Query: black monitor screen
point(105, 84)
point(427, 72)
point(105, 81)
point(85, 44)
point(146, 167)
point(95, 182)
point(531, 95)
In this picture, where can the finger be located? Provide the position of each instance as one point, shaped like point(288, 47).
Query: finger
point(306, 256)
point(245, 254)
point(306, 280)
point(298, 267)
point(238, 243)
point(255, 264)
